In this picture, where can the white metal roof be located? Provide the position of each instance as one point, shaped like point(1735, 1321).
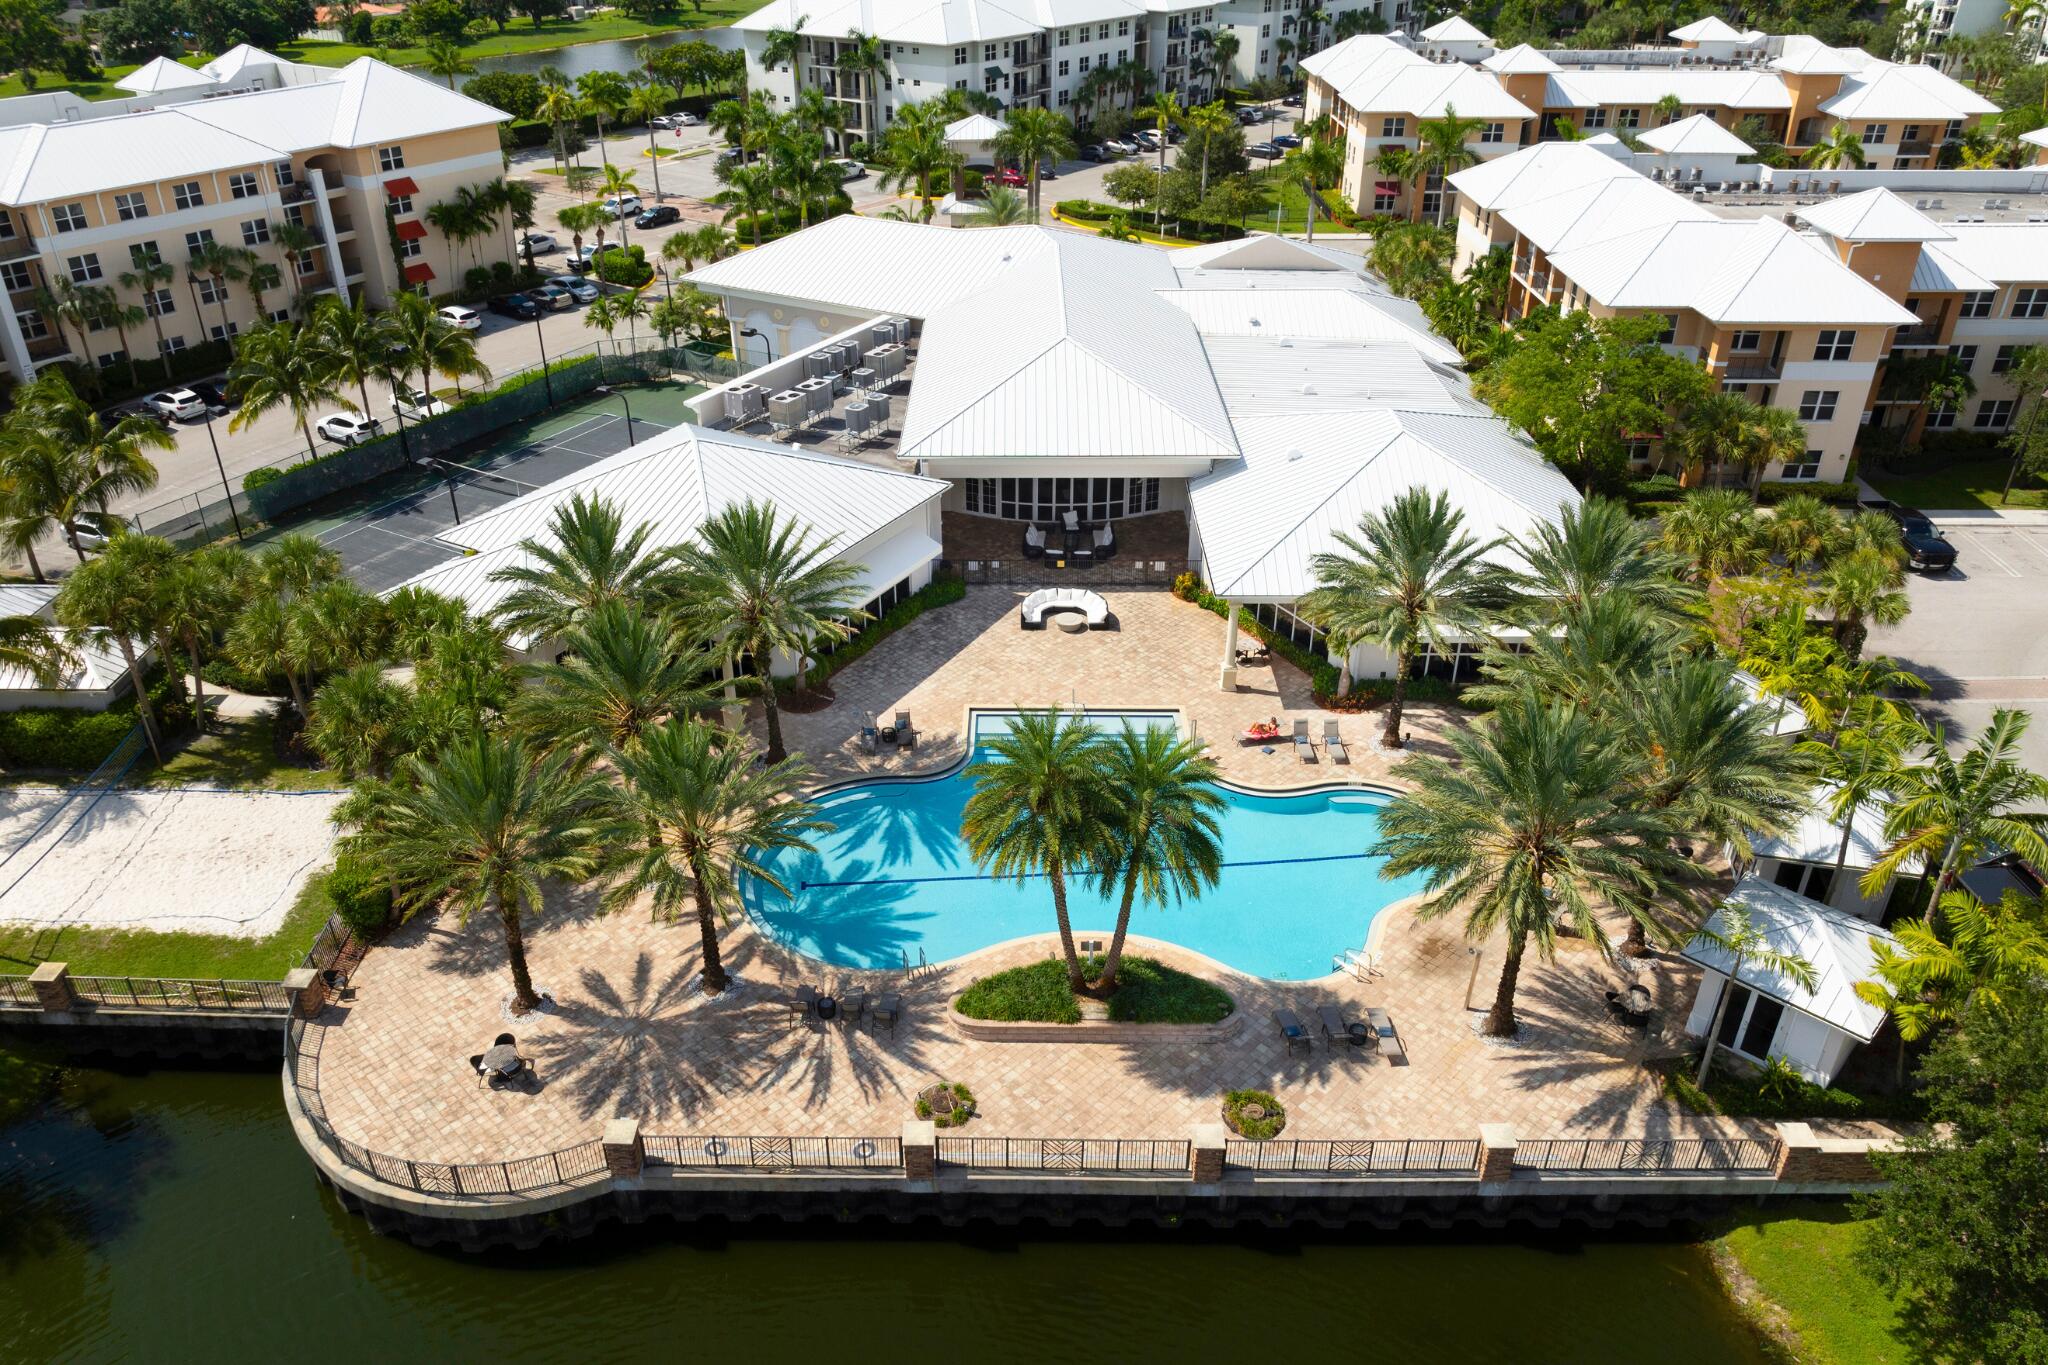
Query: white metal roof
point(1340, 314)
point(1875, 215)
point(1889, 90)
point(96, 664)
point(1264, 251)
point(159, 74)
point(1374, 74)
point(1533, 173)
point(1786, 719)
point(2037, 138)
point(1520, 60)
point(975, 128)
point(1600, 211)
point(1712, 29)
point(1802, 54)
point(2008, 253)
point(1721, 87)
point(943, 22)
point(1455, 30)
point(1699, 135)
point(1837, 945)
point(875, 265)
point(1817, 838)
point(27, 599)
point(1937, 272)
point(674, 481)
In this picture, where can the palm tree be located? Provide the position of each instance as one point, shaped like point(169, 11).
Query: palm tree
point(361, 723)
point(196, 599)
point(1841, 147)
point(1594, 655)
point(1776, 436)
point(605, 96)
point(1030, 139)
point(518, 199)
point(1857, 590)
point(1595, 549)
point(430, 343)
point(1208, 121)
point(616, 186)
point(558, 109)
point(1164, 111)
point(1222, 52)
point(1928, 983)
point(1003, 207)
point(782, 45)
point(750, 192)
point(1716, 431)
point(296, 243)
point(1949, 812)
point(1038, 808)
point(222, 265)
point(457, 219)
point(695, 818)
point(588, 560)
point(1441, 151)
point(917, 151)
point(578, 219)
point(62, 458)
point(800, 170)
point(262, 638)
point(148, 279)
point(1715, 530)
point(621, 672)
point(1161, 823)
point(282, 366)
point(104, 307)
point(486, 825)
point(28, 644)
point(817, 112)
point(58, 301)
point(354, 343)
point(113, 596)
point(649, 100)
point(754, 585)
point(1805, 531)
point(1854, 764)
point(709, 243)
point(1317, 162)
point(1410, 578)
point(1746, 944)
point(443, 57)
point(1529, 827)
point(867, 57)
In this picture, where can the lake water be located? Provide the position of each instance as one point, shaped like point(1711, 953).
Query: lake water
point(620, 54)
point(169, 1215)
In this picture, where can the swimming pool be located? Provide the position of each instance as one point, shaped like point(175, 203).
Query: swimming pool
point(896, 882)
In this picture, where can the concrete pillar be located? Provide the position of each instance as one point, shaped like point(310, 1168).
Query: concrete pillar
point(1226, 677)
point(625, 1155)
point(1205, 1152)
point(323, 218)
point(920, 1150)
point(307, 991)
point(52, 984)
point(1798, 1154)
point(1496, 1153)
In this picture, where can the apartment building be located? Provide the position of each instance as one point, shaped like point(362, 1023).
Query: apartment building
point(91, 193)
point(1801, 310)
point(1797, 88)
point(1930, 24)
point(1025, 53)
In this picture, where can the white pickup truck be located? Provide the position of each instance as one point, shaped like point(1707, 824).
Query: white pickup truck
point(412, 406)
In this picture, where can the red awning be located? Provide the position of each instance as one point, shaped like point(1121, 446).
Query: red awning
point(411, 230)
point(1387, 186)
point(402, 185)
point(418, 274)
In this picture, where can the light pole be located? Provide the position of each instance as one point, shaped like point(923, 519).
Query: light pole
point(608, 391)
point(547, 380)
point(232, 511)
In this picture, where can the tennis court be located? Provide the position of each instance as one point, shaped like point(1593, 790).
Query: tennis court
point(389, 533)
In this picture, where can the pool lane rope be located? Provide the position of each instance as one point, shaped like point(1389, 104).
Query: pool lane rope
point(1072, 872)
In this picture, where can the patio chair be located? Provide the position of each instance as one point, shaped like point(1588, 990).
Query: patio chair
point(1390, 1041)
point(1343, 1034)
point(1333, 743)
point(906, 738)
point(1034, 542)
point(1304, 747)
point(1071, 520)
point(803, 1003)
point(887, 1009)
point(1293, 1032)
point(870, 738)
point(1105, 541)
point(852, 1005)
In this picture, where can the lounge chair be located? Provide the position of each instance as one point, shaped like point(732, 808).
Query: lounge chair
point(870, 739)
point(803, 1003)
point(888, 1009)
point(906, 738)
point(852, 1004)
point(1105, 542)
point(1034, 542)
point(1292, 1030)
point(1390, 1042)
point(1333, 743)
point(1345, 1035)
point(1304, 747)
point(1071, 520)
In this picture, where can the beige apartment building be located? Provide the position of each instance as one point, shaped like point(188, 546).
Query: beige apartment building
point(94, 195)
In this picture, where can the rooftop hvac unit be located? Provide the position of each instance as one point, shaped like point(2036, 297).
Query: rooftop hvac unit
point(863, 379)
point(902, 329)
point(788, 409)
point(860, 418)
point(817, 395)
point(817, 364)
point(881, 334)
point(745, 402)
point(888, 362)
point(878, 408)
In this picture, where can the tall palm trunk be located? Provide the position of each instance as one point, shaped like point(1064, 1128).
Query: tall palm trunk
point(1056, 873)
point(1500, 1019)
point(773, 714)
point(1105, 985)
point(142, 704)
point(198, 684)
point(34, 566)
point(1390, 734)
point(715, 979)
point(523, 997)
point(291, 678)
point(1714, 1029)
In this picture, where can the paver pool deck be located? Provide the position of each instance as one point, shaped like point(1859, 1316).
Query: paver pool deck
point(631, 1035)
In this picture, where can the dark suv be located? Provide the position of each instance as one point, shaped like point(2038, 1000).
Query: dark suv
point(516, 306)
point(1926, 548)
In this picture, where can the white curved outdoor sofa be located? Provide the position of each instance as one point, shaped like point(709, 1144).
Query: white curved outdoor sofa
point(1090, 604)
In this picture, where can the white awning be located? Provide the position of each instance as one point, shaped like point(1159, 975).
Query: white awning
point(893, 559)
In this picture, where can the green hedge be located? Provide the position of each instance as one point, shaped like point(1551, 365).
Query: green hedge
point(627, 266)
point(1773, 492)
point(1322, 674)
point(943, 588)
point(1087, 210)
point(361, 895)
point(1778, 1093)
point(78, 741)
point(1148, 992)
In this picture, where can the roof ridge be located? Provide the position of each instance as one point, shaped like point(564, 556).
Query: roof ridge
point(1328, 496)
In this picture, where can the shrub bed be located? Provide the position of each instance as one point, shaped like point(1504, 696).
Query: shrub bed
point(361, 895)
point(1778, 1093)
point(946, 1105)
point(1253, 1114)
point(77, 741)
point(943, 589)
point(1148, 992)
point(626, 266)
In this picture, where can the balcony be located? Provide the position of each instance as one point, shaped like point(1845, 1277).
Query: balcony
point(1919, 146)
point(1753, 369)
point(1923, 335)
point(17, 248)
point(298, 192)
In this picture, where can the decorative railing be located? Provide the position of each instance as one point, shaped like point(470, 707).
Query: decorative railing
point(1753, 369)
point(1339, 1157)
point(1647, 1156)
point(1070, 1156)
point(775, 1153)
point(164, 993)
point(16, 990)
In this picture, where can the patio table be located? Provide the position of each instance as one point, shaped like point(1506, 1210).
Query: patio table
point(503, 1059)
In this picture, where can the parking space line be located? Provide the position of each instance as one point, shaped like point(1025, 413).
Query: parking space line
point(2033, 545)
point(1977, 545)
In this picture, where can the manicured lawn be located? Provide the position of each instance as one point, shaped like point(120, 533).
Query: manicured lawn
point(130, 952)
point(239, 753)
point(1148, 993)
point(1799, 1256)
point(1966, 484)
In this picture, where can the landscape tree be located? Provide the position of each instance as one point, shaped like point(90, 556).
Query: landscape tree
point(1947, 813)
point(443, 56)
point(196, 597)
point(1981, 957)
point(621, 671)
point(281, 366)
point(430, 343)
point(1413, 258)
point(917, 151)
point(1033, 139)
point(1442, 150)
point(1841, 147)
point(1317, 162)
point(1715, 532)
point(587, 560)
point(59, 458)
point(113, 597)
point(1164, 839)
point(1597, 549)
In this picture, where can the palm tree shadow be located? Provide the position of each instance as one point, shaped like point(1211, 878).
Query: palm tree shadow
point(623, 1051)
point(476, 947)
point(898, 830)
point(854, 917)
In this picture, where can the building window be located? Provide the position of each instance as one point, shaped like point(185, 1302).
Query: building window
point(32, 326)
point(308, 264)
point(1669, 336)
point(1747, 343)
point(255, 232)
point(1638, 452)
point(1834, 345)
point(196, 240)
point(110, 359)
point(410, 249)
point(1063, 99)
point(1084, 65)
point(188, 195)
point(131, 206)
point(1994, 414)
point(283, 171)
point(1818, 405)
point(68, 217)
point(223, 331)
point(84, 269)
point(171, 345)
point(1595, 118)
point(1394, 127)
point(6, 226)
point(390, 158)
point(1910, 133)
point(1874, 133)
point(15, 275)
point(1066, 37)
point(242, 185)
point(959, 56)
point(160, 303)
point(1952, 131)
point(2030, 303)
point(1383, 201)
point(401, 205)
point(1941, 417)
point(143, 255)
point(1808, 468)
point(1628, 118)
point(1494, 132)
point(1978, 304)
point(2002, 359)
point(1123, 28)
point(211, 290)
point(1964, 356)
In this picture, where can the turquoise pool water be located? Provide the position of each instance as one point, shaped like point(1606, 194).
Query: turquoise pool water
point(895, 881)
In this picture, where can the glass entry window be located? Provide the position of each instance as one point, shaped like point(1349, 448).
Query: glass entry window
point(1806, 879)
point(1048, 500)
point(1749, 1023)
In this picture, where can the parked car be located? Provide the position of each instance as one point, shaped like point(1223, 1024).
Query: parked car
point(1121, 146)
point(1093, 151)
point(1292, 101)
point(213, 395)
point(622, 205)
point(468, 319)
point(580, 289)
point(349, 428)
point(1250, 115)
point(582, 256)
point(684, 119)
point(92, 530)
point(1287, 140)
point(849, 169)
point(552, 297)
point(539, 243)
point(414, 406)
point(1147, 137)
point(659, 216)
point(515, 305)
point(179, 405)
point(1926, 547)
point(1007, 175)
point(1264, 150)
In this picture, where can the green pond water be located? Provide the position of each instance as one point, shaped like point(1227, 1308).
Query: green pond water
point(168, 1215)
